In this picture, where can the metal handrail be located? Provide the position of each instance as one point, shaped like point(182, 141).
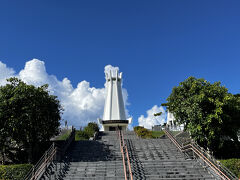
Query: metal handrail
point(214, 160)
point(202, 154)
point(128, 160)
point(48, 157)
point(42, 164)
point(123, 157)
point(217, 165)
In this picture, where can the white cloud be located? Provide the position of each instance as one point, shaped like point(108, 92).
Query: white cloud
point(152, 120)
point(5, 73)
point(34, 72)
point(81, 105)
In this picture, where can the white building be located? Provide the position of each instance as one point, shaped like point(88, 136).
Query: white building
point(173, 126)
point(114, 116)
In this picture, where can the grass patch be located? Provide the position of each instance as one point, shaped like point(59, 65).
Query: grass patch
point(16, 172)
point(233, 165)
point(64, 136)
point(157, 134)
point(174, 133)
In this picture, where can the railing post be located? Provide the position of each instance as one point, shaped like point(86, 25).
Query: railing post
point(208, 153)
point(33, 173)
point(204, 163)
point(56, 172)
point(45, 160)
point(193, 154)
point(60, 165)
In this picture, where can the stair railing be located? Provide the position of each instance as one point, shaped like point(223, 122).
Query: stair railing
point(128, 160)
point(208, 160)
point(124, 151)
point(123, 157)
point(39, 168)
point(48, 158)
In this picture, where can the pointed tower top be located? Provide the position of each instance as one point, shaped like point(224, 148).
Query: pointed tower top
point(113, 74)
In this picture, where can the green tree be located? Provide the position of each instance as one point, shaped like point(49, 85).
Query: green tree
point(91, 128)
point(210, 113)
point(29, 117)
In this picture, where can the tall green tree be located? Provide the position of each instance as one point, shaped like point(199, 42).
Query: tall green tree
point(210, 113)
point(29, 116)
point(91, 128)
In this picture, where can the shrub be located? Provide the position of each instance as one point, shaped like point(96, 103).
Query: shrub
point(233, 165)
point(143, 132)
point(81, 135)
point(136, 128)
point(16, 172)
point(91, 128)
point(87, 132)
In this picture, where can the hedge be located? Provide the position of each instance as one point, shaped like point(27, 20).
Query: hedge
point(233, 165)
point(81, 135)
point(143, 132)
point(14, 172)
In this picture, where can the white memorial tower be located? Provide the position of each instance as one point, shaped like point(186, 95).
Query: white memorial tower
point(171, 122)
point(114, 116)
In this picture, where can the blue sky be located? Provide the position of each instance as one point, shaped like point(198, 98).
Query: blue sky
point(156, 44)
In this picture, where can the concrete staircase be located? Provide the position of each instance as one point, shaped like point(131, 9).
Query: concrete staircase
point(160, 159)
point(100, 159)
point(150, 159)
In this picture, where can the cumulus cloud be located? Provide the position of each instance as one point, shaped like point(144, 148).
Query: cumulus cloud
point(5, 72)
point(152, 120)
point(81, 105)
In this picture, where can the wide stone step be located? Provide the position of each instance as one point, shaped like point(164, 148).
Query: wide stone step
point(93, 175)
point(95, 178)
point(160, 159)
point(90, 169)
point(178, 178)
point(150, 159)
point(96, 163)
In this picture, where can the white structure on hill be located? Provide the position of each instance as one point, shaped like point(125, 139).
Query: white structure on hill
point(114, 116)
point(171, 122)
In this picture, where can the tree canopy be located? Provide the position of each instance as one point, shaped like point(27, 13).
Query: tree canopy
point(29, 116)
point(209, 112)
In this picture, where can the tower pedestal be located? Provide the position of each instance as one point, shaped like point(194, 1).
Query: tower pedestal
point(113, 125)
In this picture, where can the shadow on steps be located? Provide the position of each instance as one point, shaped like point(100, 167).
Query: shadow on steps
point(91, 151)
